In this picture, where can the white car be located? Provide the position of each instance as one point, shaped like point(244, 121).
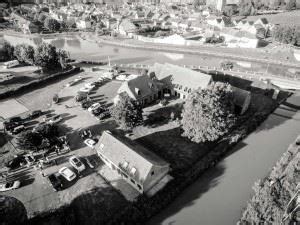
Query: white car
point(121, 77)
point(94, 107)
point(77, 164)
point(90, 142)
point(10, 186)
point(85, 89)
point(67, 173)
point(55, 119)
point(78, 79)
point(90, 85)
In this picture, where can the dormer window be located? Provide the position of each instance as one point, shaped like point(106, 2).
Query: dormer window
point(137, 91)
point(185, 89)
point(151, 85)
point(133, 171)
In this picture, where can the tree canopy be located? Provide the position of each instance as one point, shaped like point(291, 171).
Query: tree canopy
point(45, 56)
point(208, 113)
point(287, 34)
point(51, 24)
point(8, 50)
point(127, 112)
point(29, 141)
point(24, 53)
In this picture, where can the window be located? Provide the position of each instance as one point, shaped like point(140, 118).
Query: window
point(132, 171)
point(139, 186)
point(185, 89)
point(132, 181)
point(137, 91)
point(152, 173)
point(180, 87)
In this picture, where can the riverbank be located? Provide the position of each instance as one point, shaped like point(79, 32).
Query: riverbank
point(283, 56)
point(273, 194)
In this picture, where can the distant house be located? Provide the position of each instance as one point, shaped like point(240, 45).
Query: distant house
point(178, 81)
point(126, 27)
point(241, 99)
point(141, 168)
point(220, 22)
point(142, 89)
point(83, 24)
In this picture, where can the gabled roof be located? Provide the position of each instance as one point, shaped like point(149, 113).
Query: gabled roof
point(127, 25)
point(139, 87)
point(129, 155)
point(263, 20)
point(180, 75)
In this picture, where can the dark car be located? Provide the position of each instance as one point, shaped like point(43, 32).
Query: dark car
point(104, 115)
point(15, 119)
point(9, 126)
point(15, 162)
point(56, 181)
point(86, 104)
point(98, 111)
point(35, 114)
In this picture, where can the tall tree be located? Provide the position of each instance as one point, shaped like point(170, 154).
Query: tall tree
point(24, 53)
point(127, 112)
point(45, 56)
point(208, 113)
point(8, 50)
point(29, 141)
point(51, 24)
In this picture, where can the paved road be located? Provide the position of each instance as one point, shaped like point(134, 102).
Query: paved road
point(218, 197)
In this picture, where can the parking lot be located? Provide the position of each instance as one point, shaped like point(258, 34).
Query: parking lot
point(40, 196)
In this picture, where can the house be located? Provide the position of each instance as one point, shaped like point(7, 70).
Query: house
point(141, 168)
point(178, 81)
point(241, 99)
point(83, 24)
point(220, 22)
point(263, 22)
point(142, 89)
point(126, 27)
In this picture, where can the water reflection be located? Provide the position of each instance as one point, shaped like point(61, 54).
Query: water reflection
point(58, 43)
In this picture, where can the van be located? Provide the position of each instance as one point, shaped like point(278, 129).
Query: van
point(11, 64)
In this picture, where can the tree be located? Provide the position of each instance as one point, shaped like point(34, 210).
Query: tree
point(226, 65)
point(45, 56)
point(29, 141)
point(51, 24)
point(42, 17)
point(8, 51)
point(127, 112)
point(208, 113)
point(290, 4)
point(24, 53)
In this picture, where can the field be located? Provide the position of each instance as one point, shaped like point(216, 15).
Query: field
point(285, 18)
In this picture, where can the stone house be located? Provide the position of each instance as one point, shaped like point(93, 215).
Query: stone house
point(141, 168)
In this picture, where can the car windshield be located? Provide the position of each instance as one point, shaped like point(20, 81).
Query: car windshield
point(8, 185)
point(77, 162)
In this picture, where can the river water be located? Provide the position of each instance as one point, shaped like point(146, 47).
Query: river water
point(219, 196)
point(89, 50)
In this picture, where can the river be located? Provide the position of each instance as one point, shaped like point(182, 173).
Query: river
point(219, 196)
point(89, 50)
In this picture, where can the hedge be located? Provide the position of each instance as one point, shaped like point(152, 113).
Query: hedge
point(38, 82)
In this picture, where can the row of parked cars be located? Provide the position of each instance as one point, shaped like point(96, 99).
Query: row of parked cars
point(16, 125)
point(56, 179)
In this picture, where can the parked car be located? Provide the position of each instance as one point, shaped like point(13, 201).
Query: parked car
point(30, 160)
point(77, 164)
point(94, 107)
point(18, 129)
point(90, 142)
point(55, 119)
point(67, 173)
point(35, 114)
point(86, 89)
point(90, 85)
point(96, 112)
point(104, 115)
point(89, 162)
point(10, 186)
point(15, 119)
point(86, 104)
point(16, 162)
point(9, 126)
point(55, 181)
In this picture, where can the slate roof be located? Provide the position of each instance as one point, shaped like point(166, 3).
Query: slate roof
point(128, 155)
point(181, 76)
point(143, 84)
